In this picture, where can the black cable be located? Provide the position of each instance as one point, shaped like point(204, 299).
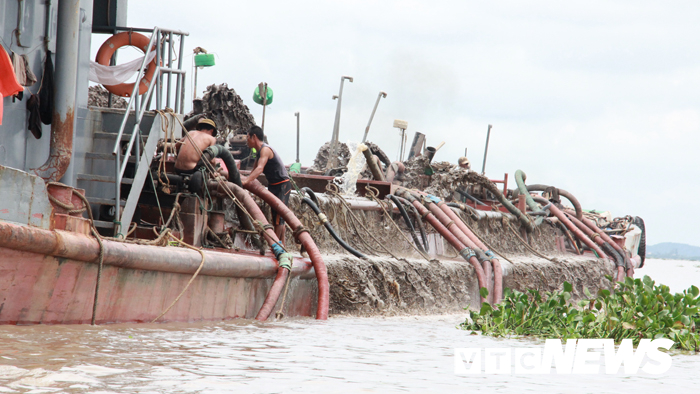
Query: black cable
point(418, 223)
point(469, 196)
point(407, 220)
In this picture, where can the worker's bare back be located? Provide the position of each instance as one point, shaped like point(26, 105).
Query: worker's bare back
point(188, 156)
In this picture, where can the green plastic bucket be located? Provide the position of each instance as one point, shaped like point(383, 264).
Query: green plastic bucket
point(204, 59)
point(257, 97)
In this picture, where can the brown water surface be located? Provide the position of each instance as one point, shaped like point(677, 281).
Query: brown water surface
point(375, 355)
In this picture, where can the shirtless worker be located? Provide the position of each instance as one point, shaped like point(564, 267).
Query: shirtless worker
point(270, 164)
point(189, 160)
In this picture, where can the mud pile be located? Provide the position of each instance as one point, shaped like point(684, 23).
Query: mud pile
point(225, 107)
point(343, 153)
point(321, 160)
point(98, 96)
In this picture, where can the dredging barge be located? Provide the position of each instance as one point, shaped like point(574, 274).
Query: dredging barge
point(418, 244)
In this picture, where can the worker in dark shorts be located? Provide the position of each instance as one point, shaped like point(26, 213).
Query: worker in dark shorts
point(270, 164)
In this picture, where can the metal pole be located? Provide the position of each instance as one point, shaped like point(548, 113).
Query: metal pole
point(486, 150)
point(170, 66)
point(66, 78)
point(261, 87)
point(297, 115)
point(336, 125)
point(194, 94)
point(381, 94)
point(180, 82)
point(159, 79)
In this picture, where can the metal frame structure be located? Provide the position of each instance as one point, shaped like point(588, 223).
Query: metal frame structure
point(160, 40)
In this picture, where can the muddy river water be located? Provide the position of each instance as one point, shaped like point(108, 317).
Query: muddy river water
point(343, 354)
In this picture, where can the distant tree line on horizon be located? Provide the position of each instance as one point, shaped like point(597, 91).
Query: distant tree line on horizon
point(675, 251)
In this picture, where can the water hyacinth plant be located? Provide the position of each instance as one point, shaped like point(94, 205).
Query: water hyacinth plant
point(637, 309)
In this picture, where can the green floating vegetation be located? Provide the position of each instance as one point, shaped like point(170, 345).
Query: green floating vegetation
point(637, 309)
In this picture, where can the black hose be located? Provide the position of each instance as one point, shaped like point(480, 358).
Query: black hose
point(222, 153)
point(619, 260)
point(469, 196)
point(406, 219)
point(642, 249)
point(418, 222)
point(330, 229)
point(311, 195)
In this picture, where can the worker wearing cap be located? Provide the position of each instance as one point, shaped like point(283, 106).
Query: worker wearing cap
point(270, 164)
point(464, 163)
point(191, 158)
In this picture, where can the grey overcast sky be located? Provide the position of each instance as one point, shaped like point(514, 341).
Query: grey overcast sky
point(596, 97)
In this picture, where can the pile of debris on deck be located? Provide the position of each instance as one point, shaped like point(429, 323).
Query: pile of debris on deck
point(99, 97)
point(417, 172)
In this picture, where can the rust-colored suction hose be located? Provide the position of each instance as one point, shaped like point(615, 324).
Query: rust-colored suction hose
point(466, 253)
point(497, 269)
point(451, 225)
point(572, 227)
point(305, 238)
point(630, 268)
point(610, 251)
point(282, 273)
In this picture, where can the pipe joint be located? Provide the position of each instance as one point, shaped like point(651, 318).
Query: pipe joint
point(433, 199)
point(285, 261)
point(481, 256)
point(467, 253)
point(277, 250)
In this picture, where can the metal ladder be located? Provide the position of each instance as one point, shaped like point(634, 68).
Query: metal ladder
point(161, 41)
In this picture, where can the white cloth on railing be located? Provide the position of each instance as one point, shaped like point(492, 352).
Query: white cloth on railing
point(115, 75)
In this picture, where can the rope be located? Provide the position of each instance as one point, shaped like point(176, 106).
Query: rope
point(370, 249)
point(298, 231)
point(93, 230)
point(213, 172)
point(279, 313)
point(333, 189)
point(526, 245)
point(484, 241)
point(373, 193)
point(69, 207)
point(201, 264)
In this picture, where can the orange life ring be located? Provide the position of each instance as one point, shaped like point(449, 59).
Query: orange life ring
point(104, 54)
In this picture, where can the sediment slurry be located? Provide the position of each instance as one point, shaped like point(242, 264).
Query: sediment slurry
point(387, 286)
point(395, 280)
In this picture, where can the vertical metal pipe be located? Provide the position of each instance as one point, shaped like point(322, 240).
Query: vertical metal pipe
point(117, 190)
point(486, 150)
point(170, 66)
point(159, 82)
point(336, 125)
point(66, 79)
point(182, 94)
point(264, 93)
point(180, 84)
point(381, 94)
point(297, 115)
point(194, 93)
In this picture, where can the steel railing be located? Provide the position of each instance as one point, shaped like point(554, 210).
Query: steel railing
point(159, 37)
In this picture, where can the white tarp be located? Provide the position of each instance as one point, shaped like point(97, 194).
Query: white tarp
point(115, 75)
